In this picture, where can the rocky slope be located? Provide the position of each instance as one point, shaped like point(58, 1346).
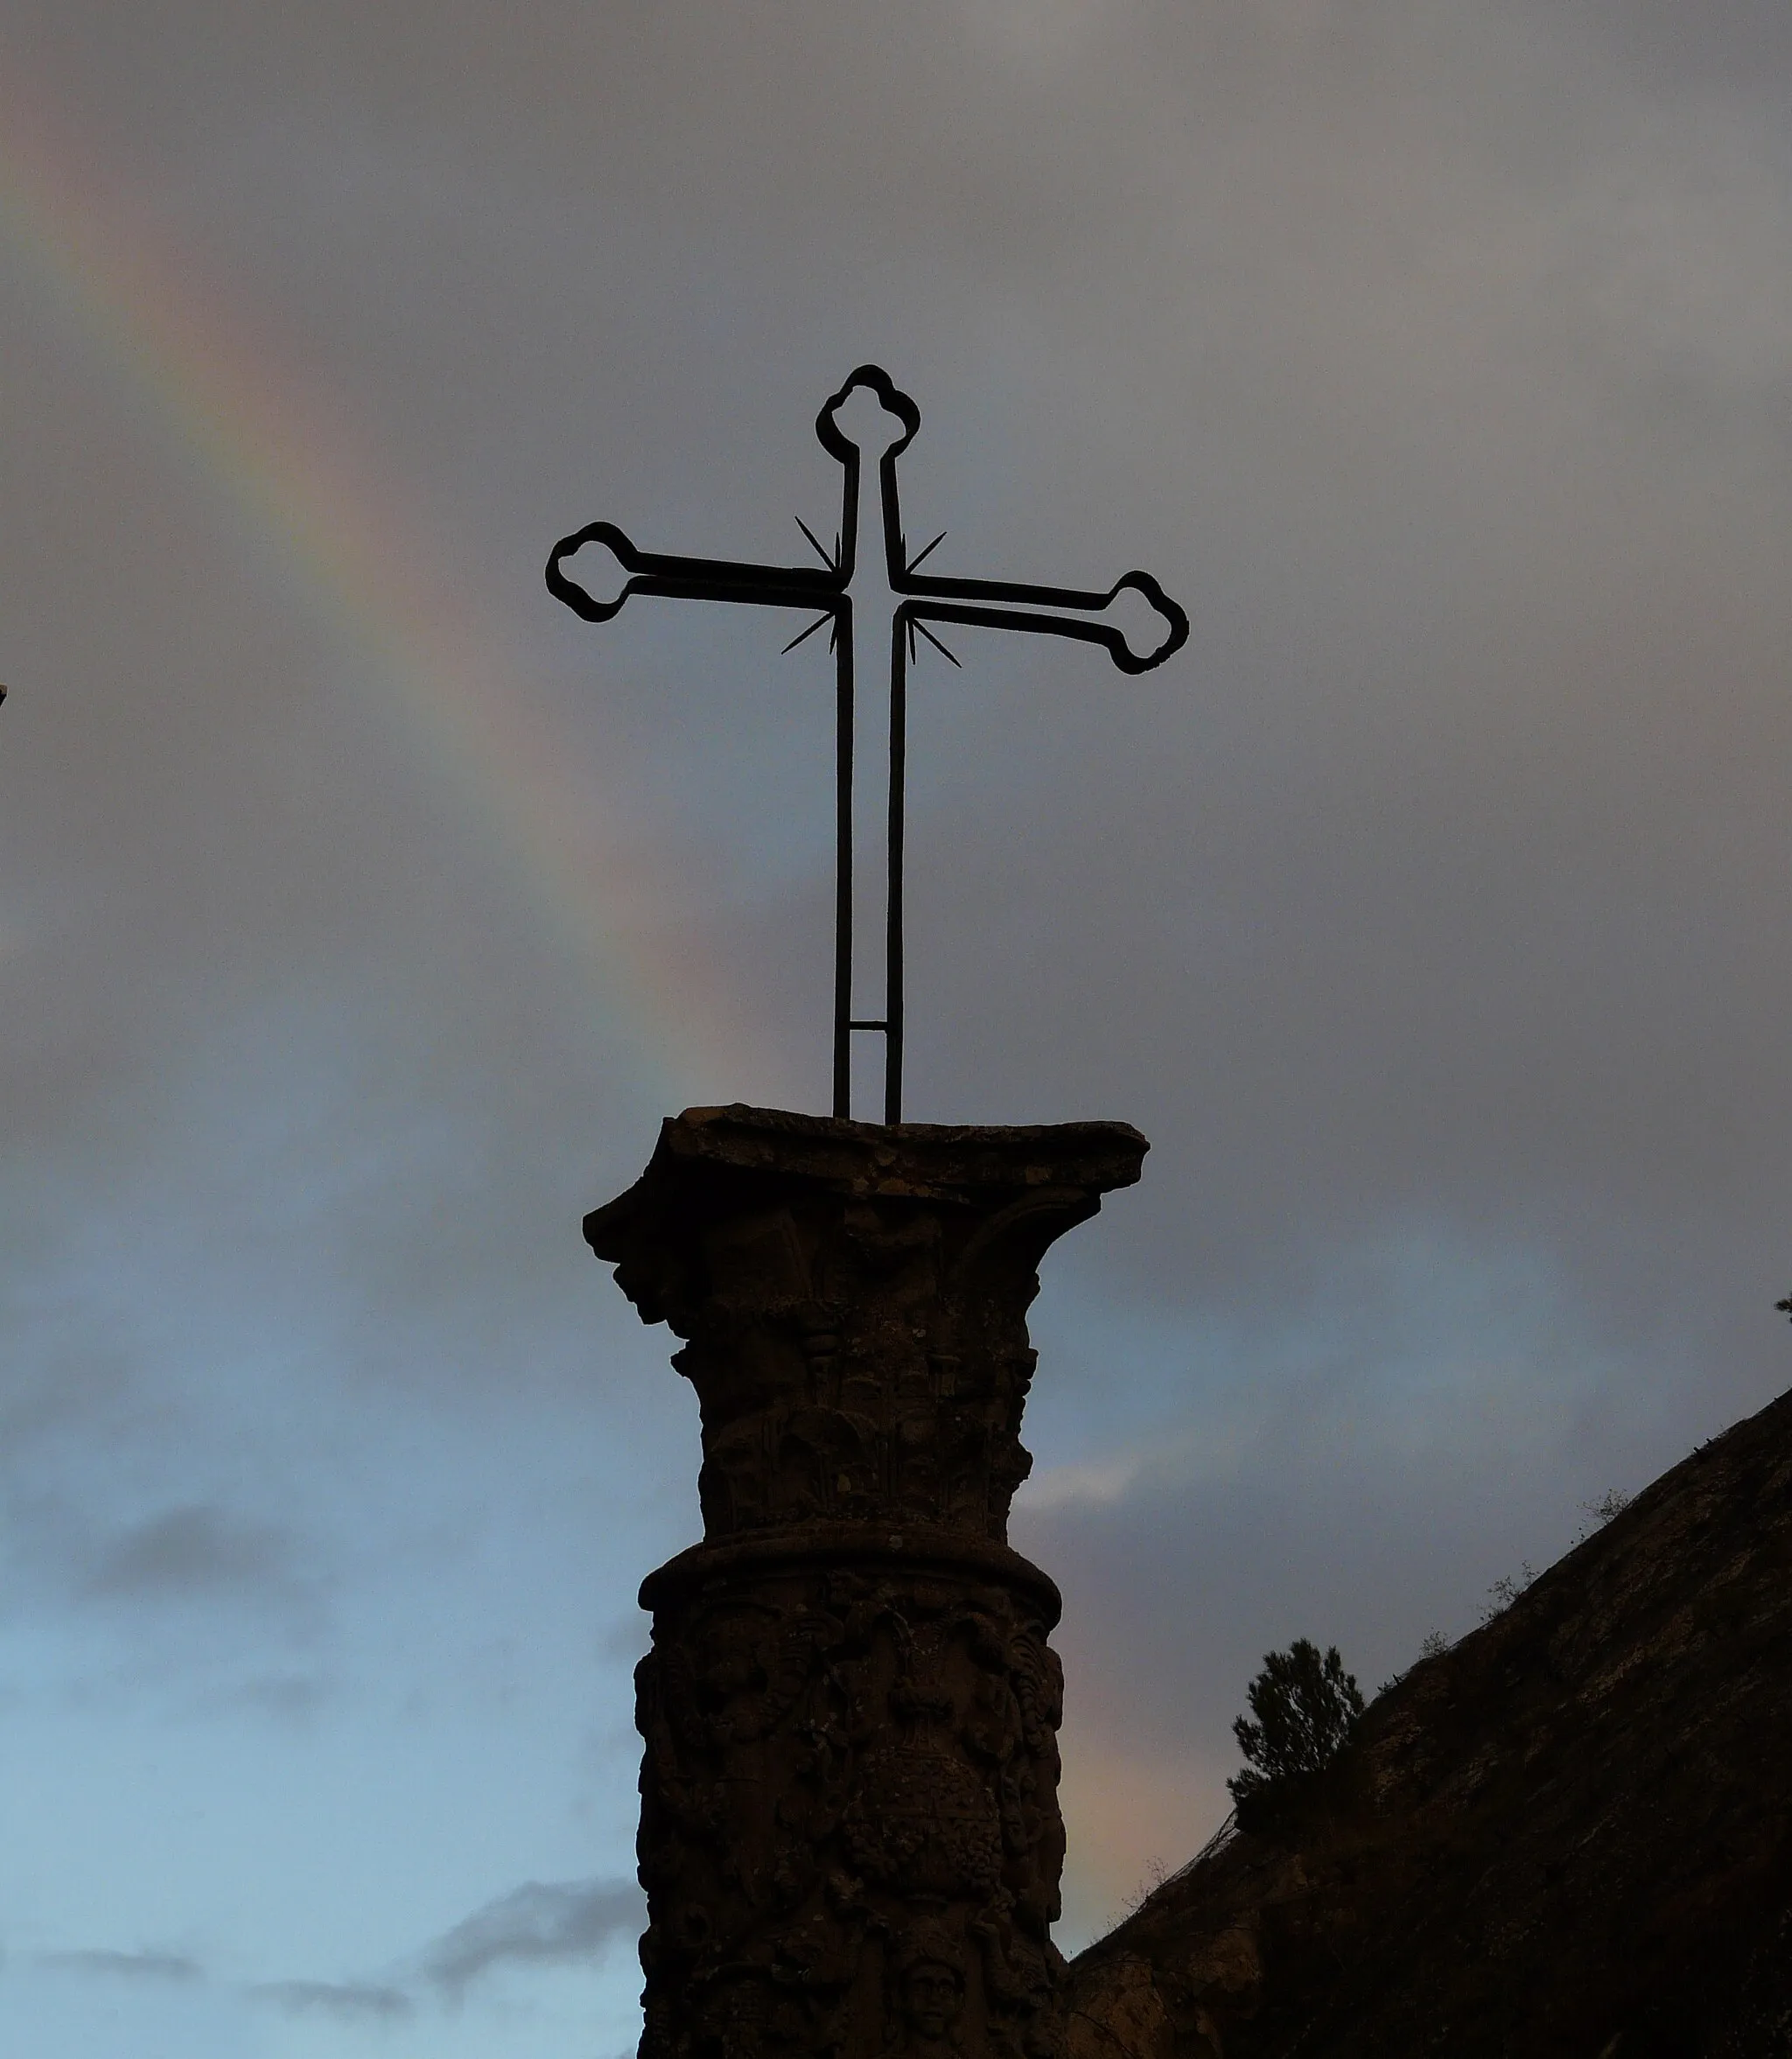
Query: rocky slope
point(1569, 1834)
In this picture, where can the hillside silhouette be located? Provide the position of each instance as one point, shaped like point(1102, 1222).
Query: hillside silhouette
point(1569, 1834)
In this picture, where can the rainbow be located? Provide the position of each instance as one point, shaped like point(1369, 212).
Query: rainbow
point(266, 445)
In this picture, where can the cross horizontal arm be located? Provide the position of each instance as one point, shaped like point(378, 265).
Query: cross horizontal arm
point(689, 578)
point(995, 604)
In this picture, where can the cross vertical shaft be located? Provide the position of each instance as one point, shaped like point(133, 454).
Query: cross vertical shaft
point(893, 917)
point(844, 719)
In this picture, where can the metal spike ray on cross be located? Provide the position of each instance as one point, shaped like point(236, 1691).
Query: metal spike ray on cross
point(893, 602)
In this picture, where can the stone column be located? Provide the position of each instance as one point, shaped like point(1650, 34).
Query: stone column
point(850, 1834)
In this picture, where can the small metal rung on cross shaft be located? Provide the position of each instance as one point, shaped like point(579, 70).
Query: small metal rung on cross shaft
point(919, 599)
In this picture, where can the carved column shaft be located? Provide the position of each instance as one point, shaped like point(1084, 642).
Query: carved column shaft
point(849, 1833)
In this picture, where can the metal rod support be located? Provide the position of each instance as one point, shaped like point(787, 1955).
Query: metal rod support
point(843, 863)
point(893, 909)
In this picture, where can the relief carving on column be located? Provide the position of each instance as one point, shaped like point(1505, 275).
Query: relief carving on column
point(849, 1830)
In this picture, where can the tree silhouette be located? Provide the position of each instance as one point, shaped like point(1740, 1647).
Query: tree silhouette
point(1305, 1707)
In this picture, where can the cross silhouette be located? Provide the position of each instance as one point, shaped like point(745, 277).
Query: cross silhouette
point(896, 602)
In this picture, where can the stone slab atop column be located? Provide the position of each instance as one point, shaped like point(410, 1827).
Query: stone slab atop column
point(849, 1830)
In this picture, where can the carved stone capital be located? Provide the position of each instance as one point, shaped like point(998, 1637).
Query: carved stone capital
point(854, 1301)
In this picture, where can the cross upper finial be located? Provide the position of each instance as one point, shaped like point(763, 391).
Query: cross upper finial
point(906, 601)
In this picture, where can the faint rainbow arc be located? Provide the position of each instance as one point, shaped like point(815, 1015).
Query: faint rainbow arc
point(208, 379)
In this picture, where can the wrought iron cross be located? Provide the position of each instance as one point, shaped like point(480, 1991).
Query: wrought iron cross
point(897, 603)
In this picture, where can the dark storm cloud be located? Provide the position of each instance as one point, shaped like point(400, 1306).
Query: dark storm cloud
point(540, 1923)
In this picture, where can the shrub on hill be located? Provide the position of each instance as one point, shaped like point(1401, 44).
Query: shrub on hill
point(1305, 1707)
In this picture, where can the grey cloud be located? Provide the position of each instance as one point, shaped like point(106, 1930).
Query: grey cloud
point(125, 1965)
point(77, 1393)
point(1363, 1506)
point(197, 1550)
point(350, 2002)
point(1728, 42)
point(540, 1923)
point(291, 1696)
point(1461, 435)
point(1432, 351)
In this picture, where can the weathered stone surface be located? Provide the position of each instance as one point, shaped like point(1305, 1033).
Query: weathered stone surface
point(1568, 1838)
point(849, 1830)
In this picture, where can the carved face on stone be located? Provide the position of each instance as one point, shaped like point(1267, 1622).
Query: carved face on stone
point(933, 1995)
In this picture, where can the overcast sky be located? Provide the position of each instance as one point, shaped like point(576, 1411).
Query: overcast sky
point(362, 911)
